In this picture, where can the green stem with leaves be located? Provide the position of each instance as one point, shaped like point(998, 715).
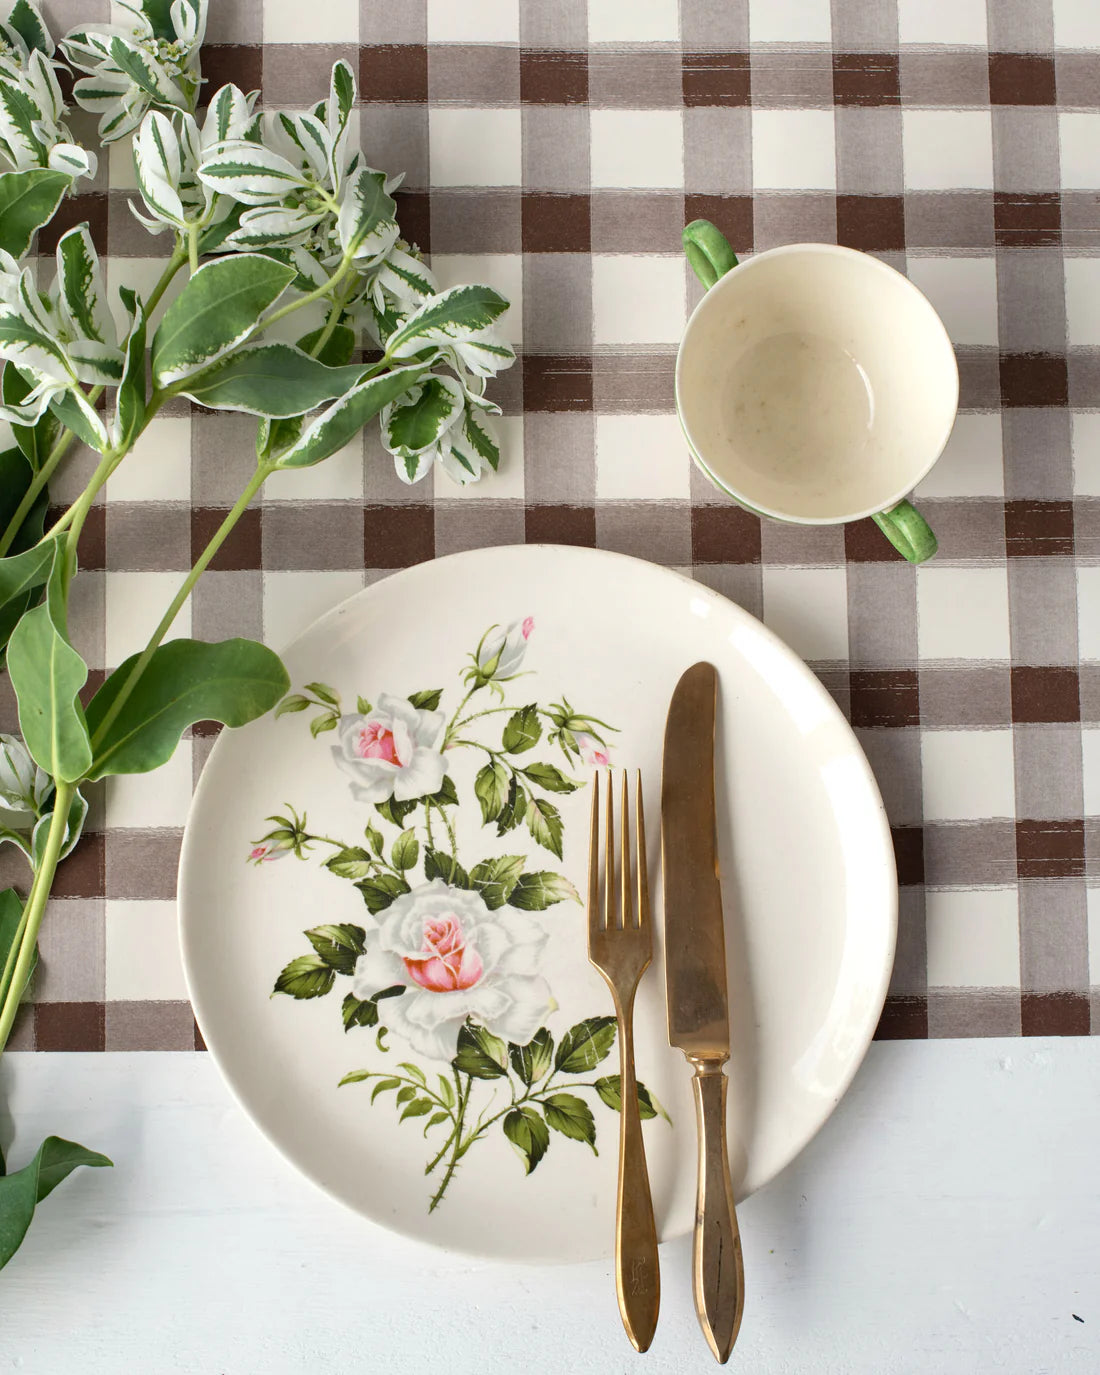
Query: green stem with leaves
point(35, 909)
point(458, 1149)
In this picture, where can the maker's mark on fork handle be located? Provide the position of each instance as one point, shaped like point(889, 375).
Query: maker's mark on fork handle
point(718, 1271)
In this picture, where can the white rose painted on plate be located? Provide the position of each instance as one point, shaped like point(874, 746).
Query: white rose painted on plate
point(457, 959)
point(501, 652)
point(392, 751)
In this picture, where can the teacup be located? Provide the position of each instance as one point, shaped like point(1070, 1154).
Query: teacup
point(815, 385)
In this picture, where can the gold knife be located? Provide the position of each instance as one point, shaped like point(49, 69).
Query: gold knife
point(695, 984)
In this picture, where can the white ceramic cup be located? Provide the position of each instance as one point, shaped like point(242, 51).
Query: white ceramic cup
point(816, 385)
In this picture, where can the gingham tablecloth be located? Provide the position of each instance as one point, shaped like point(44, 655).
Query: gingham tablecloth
point(555, 149)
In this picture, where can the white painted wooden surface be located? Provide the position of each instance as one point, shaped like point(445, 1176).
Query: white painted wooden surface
point(947, 1219)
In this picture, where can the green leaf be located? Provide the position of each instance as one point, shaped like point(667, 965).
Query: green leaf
point(350, 863)
point(15, 478)
point(515, 807)
point(309, 976)
point(324, 693)
point(446, 796)
point(374, 838)
point(528, 1133)
point(610, 1089)
point(494, 879)
point(419, 1107)
point(358, 1012)
point(339, 946)
point(439, 864)
point(295, 702)
point(395, 811)
point(446, 1091)
point(379, 891)
point(233, 681)
point(491, 790)
point(35, 440)
point(414, 1072)
point(544, 823)
point(337, 350)
point(76, 413)
point(571, 1116)
point(274, 380)
point(214, 313)
point(47, 674)
point(426, 701)
point(79, 284)
point(451, 316)
point(480, 1053)
point(537, 892)
point(532, 1061)
point(583, 1046)
point(28, 200)
point(406, 1093)
point(20, 573)
point(20, 1192)
point(406, 850)
point(130, 401)
point(522, 731)
point(320, 724)
point(548, 777)
point(74, 824)
point(363, 706)
point(11, 913)
point(435, 1120)
point(340, 422)
point(386, 1086)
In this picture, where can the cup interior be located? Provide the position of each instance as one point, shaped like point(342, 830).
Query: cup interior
point(816, 384)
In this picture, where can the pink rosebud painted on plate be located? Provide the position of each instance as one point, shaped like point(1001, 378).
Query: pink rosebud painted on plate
point(456, 959)
point(392, 751)
point(592, 751)
point(500, 654)
point(264, 851)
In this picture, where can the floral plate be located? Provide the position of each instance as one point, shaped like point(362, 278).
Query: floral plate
point(379, 898)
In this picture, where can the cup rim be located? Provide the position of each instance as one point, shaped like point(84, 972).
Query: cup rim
point(876, 264)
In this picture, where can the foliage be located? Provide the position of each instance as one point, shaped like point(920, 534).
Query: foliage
point(268, 214)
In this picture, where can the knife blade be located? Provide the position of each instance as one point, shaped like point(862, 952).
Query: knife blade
point(695, 987)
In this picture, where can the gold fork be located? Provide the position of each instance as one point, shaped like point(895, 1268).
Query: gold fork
point(620, 945)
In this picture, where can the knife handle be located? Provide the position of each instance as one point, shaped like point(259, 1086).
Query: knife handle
point(718, 1271)
point(637, 1268)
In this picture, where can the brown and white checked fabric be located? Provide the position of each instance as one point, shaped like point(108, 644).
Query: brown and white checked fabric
point(555, 148)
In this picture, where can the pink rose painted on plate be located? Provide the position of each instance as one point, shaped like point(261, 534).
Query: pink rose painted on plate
point(447, 962)
point(376, 742)
point(592, 752)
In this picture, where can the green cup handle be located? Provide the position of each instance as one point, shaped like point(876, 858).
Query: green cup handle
point(708, 251)
point(908, 531)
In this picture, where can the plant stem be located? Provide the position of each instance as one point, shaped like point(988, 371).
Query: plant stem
point(262, 473)
point(35, 908)
point(173, 265)
point(307, 300)
point(457, 1151)
point(454, 719)
point(193, 247)
point(477, 715)
point(38, 481)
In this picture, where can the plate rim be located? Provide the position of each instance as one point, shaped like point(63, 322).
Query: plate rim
point(794, 661)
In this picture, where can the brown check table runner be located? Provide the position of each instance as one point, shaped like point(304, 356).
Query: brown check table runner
point(555, 148)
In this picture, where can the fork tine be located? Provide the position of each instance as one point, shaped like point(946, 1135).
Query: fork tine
point(611, 906)
point(643, 876)
point(624, 884)
point(595, 917)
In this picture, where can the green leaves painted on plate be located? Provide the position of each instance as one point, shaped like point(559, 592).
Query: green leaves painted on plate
point(571, 1116)
point(308, 976)
point(480, 1054)
point(532, 1062)
point(610, 1089)
point(584, 1045)
point(233, 681)
point(338, 945)
point(544, 823)
point(495, 879)
point(491, 790)
point(522, 730)
point(537, 892)
point(528, 1134)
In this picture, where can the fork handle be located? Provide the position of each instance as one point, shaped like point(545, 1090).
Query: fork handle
point(718, 1270)
point(637, 1268)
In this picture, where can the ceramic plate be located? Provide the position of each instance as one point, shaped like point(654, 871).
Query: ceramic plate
point(378, 898)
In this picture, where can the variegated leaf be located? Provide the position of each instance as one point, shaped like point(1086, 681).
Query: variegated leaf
point(248, 172)
point(29, 348)
point(367, 223)
point(406, 278)
point(81, 296)
point(158, 163)
point(73, 160)
point(75, 411)
point(416, 422)
point(189, 21)
point(95, 364)
point(272, 380)
point(28, 200)
point(304, 140)
point(485, 353)
point(264, 226)
point(131, 401)
point(215, 312)
point(27, 23)
point(227, 118)
point(342, 421)
point(453, 315)
point(147, 73)
point(412, 468)
point(20, 122)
